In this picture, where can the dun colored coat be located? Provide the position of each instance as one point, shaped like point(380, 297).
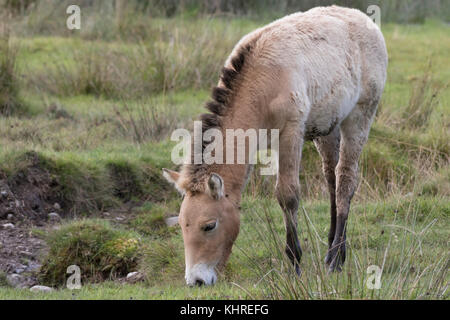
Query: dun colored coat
point(317, 75)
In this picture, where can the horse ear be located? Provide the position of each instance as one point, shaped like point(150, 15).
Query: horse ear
point(215, 186)
point(173, 177)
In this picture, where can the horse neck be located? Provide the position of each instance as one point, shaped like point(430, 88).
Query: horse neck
point(242, 116)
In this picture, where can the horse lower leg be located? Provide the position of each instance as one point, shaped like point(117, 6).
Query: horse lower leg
point(293, 249)
point(288, 190)
point(328, 148)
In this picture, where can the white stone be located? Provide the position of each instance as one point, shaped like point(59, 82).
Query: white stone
point(54, 216)
point(8, 226)
point(41, 289)
point(132, 274)
point(171, 221)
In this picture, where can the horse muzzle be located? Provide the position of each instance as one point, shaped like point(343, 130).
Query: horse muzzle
point(201, 274)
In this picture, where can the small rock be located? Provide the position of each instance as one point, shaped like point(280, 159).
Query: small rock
point(171, 221)
point(106, 214)
point(14, 280)
point(134, 277)
point(119, 218)
point(4, 194)
point(20, 269)
point(41, 289)
point(33, 266)
point(10, 217)
point(8, 226)
point(53, 216)
point(26, 254)
point(57, 206)
point(132, 274)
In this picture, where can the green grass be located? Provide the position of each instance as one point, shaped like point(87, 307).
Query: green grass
point(114, 291)
point(103, 135)
point(406, 236)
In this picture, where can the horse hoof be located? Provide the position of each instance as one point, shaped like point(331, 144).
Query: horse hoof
point(298, 271)
point(334, 268)
point(327, 259)
point(335, 265)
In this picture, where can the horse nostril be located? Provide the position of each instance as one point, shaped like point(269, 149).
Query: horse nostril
point(199, 282)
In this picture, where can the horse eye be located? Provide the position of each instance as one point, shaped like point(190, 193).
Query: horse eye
point(209, 226)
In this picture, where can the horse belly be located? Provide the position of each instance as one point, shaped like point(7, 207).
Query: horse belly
point(327, 115)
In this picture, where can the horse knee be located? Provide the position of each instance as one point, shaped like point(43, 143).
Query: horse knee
point(289, 198)
point(346, 183)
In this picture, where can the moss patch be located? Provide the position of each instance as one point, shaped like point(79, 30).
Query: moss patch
point(101, 251)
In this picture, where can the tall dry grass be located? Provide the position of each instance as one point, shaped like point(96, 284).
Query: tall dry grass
point(405, 273)
point(180, 56)
point(424, 98)
point(146, 123)
point(9, 85)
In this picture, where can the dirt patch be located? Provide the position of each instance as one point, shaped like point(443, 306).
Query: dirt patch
point(25, 202)
point(19, 254)
point(27, 194)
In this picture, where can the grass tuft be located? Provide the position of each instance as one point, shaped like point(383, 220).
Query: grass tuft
point(101, 251)
point(423, 101)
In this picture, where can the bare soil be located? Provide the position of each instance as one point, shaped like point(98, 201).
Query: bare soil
point(25, 202)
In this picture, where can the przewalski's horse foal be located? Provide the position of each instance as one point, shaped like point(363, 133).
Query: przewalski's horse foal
point(317, 75)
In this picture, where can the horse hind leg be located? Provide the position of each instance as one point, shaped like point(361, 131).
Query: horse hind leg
point(354, 133)
point(328, 148)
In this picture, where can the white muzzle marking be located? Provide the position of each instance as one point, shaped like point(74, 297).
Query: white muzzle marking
point(200, 274)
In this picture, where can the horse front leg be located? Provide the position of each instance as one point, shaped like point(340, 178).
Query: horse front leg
point(288, 190)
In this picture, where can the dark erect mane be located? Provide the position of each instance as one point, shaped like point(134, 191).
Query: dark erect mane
point(218, 106)
point(222, 95)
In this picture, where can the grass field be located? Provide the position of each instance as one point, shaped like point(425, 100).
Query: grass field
point(96, 113)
